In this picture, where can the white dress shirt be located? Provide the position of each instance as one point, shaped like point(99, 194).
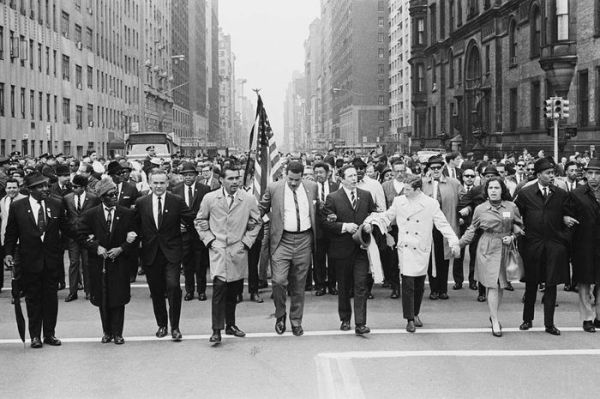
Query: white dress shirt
point(81, 199)
point(290, 222)
point(323, 190)
point(155, 206)
point(542, 189)
point(186, 196)
point(398, 186)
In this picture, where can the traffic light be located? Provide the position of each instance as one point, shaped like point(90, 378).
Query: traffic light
point(557, 107)
point(548, 108)
point(565, 109)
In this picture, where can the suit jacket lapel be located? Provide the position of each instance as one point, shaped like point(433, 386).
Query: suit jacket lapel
point(30, 213)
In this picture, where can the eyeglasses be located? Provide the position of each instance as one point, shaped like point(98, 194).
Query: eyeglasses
point(435, 167)
point(520, 165)
point(530, 169)
point(111, 195)
point(469, 176)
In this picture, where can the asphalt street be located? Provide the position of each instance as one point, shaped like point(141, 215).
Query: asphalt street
point(453, 356)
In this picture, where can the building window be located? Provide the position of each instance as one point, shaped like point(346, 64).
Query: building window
point(32, 104)
point(512, 40)
point(41, 106)
point(459, 13)
point(66, 61)
point(451, 21)
point(48, 107)
point(12, 101)
point(597, 96)
point(473, 8)
point(1, 99)
point(89, 38)
point(583, 104)
point(442, 20)
point(66, 105)
point(514, 109)
point(381, 116)
point(90, 77)
point(420, 78)
point(79, 77)
point(433, 23)
point(487, 59)
point(55, 108)
point(1, 42)
point(79, 116)
point(450, 70)
point(433, 77)
point(380, 100)
point(459, 77)
point(562, 20)
point(78, 34)
point(47, 60)
point(420, 31)
point(40, 57)
point(536, 31)
point(380, 37)
point(22, 103)
point(64, 24)
point(380, 84)
point(381, 53)
point(31, 54)
point(54, 61)
point(90, 115)
point(380, 22)
point(536, 103)
point(380, 69)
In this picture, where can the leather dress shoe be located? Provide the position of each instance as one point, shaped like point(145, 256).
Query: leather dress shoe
point(418, 322)
point(495, 333)
point(176, 335)
point(202, 296)
point(370, 296)
point(509, 286)
point(362, 329)
point(106, 338)
point(553, 330)
point(526, 325)
point(588, 326)
point(320, 292)
point(444, 296)
point(297, 331)
point(457, 286)
point(235, 331)
point(395, 294)
point(255, 297)
point(473, 286)
point(52, 341)
point(280, 324)
point(188, 296)
point(215, 337)
point(161, 332)
point(434, 296)
point(333, 291)
point(596, 323)
point(410, 326)
point(481, 298)
point(345, 326)
point(71, 297)
point(119, 340)
point(36, 343)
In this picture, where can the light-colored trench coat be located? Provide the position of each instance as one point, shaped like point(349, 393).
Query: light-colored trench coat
point(227, 230)
point(415, 219)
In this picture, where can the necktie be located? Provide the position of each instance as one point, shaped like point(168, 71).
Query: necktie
point(41, 218)
point(322, 192)
point(160, 212)
point(297, 209)
point(353, 198)
point(109, 219)
point(545, 193)
point(10, 200)
point(190, 196)
point(78, 203)
point(230, 196)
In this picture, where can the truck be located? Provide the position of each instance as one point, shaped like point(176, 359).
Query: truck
point(137, 143)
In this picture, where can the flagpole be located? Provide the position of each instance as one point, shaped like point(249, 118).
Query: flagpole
point(251, 140)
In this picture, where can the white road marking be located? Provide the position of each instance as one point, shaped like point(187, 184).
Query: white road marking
point(309, 334)
point(349, 384)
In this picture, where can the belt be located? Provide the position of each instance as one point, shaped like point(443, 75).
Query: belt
point(297, 232)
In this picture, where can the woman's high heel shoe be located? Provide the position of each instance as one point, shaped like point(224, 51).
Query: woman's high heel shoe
point(494, 332)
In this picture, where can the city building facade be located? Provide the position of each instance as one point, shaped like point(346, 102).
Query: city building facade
point(226, 91)
point(180, 79)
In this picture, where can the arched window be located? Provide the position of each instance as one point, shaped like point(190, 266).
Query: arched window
point(535, 31)
point(512, 46)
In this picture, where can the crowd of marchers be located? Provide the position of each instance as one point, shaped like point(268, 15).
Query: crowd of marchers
point(329, 224)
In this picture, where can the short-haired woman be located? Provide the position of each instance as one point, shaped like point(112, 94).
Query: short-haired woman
point(500, 221)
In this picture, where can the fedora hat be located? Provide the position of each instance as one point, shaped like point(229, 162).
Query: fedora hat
point(113, 168)
point(542, 164)
point(594, 164)
point(435, 159)
point(490, 170)
point(35, 179)
point(188, 167)
point(361, 237)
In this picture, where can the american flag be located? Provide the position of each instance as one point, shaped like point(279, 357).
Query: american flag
point(267, 167)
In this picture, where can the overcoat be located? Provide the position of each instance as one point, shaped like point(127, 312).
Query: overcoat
point(415, 219)
point(228, 232)
point(93, 232)
point(545, 246)
point(585, 247)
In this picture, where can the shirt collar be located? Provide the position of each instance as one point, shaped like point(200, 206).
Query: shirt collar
point(541, 188)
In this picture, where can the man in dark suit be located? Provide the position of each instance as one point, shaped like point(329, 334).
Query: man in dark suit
point(452, 169)
point(324, 272)
point(159, 217)
point(292, 205)
point(127, 194)
point(107, 231)
point(345, 210)
point(75, 204)
point(195, 255)
point(63, 186)
point(544, 208)
point(35, 223)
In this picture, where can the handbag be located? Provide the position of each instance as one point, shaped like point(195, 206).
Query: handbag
point(515, 269)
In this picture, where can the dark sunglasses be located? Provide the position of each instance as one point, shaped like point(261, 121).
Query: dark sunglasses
point(530, 169)
point(435, 167)
point(471, 176)
point(520, 165)
point(111, 195)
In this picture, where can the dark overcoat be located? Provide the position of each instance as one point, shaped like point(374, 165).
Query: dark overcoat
point(545, 246)
point(585, 255)
point(93, 232)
